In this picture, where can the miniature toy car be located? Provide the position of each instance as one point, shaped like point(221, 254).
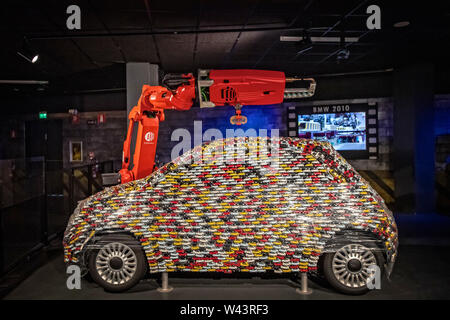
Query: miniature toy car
point(244, 204)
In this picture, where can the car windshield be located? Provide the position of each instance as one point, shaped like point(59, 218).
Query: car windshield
point(182, 160)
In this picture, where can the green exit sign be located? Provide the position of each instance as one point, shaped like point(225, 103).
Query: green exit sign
point(43, 115)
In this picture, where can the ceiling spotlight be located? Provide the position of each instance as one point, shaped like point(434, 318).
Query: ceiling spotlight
point(401, 24)
point(305, 44)
point(318, 39)
point(28, 53)
point(343, 54)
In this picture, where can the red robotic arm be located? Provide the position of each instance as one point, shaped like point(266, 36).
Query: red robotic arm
point(149, 112)
point(215, 88)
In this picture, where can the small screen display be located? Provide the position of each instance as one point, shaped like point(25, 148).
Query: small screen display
point(345, 131)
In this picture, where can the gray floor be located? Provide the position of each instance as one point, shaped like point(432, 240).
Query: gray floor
point(421, 272)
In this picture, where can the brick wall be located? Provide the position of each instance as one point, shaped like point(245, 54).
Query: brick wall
point(106, 140)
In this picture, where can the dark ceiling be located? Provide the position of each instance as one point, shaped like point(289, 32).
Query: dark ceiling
point(185, 36)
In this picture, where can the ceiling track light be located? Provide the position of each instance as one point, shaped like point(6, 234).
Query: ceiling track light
point(319, 39)
point(401, 24)
point(27, 52)
point(343, 54)
point(305, 44)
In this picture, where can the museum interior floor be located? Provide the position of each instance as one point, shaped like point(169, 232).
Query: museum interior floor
point(421, 272)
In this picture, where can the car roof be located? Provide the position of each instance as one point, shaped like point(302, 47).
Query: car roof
point(323, 151)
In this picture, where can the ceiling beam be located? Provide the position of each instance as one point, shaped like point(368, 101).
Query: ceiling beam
point(115, 43)
point(289, 28)
point(83, 53)
point(344, 17)
point(194, 51)
point(63, 64)
point(159, 32)
point(23, 82)
point(230, 53)
point(150, 27)
point(345, 46)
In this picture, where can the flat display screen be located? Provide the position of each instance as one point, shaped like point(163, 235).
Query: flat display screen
point(345, 131)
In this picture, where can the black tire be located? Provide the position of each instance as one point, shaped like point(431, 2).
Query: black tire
point(332, 279)
point(132, 258)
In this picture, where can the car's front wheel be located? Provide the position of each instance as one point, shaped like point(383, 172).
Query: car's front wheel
point(349, 268)
point(118, 264)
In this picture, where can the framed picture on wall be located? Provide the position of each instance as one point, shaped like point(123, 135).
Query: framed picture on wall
point(76, 151)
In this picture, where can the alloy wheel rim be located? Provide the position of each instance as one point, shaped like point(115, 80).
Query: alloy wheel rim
point(110, 269)
point(351, 265)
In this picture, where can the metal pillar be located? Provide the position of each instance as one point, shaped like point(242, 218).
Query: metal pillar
point(304, 290)
point(138, 74)
point(165, 283)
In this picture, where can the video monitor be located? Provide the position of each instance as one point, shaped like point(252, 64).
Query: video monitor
point(345, 131)
point(352, 129)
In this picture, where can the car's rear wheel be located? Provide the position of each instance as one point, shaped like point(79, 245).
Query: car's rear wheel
point(349, 267)
point(119, 263)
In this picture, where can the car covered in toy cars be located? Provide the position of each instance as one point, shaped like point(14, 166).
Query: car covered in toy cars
point(244, 204)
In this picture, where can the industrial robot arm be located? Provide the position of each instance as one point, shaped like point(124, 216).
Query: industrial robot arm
point(148, 113)
point(215, 88)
